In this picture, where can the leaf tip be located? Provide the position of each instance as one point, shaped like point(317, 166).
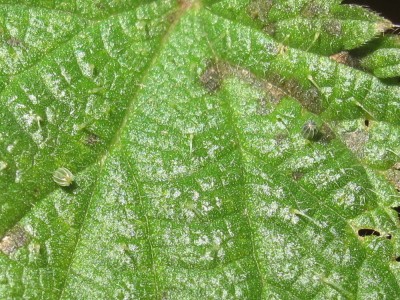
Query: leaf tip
point(384, 25)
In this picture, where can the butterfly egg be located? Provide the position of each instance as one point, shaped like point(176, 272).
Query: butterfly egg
point(309, 130)
point(63, 177)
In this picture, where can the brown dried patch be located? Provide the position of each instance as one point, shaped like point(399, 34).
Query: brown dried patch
point(282, 49)
point(297, 175)
point(356, 141)
point(13, 240)
point(259, 9)
point(211, 79)
point(14, 42)
point(393, 175)
point(270, 28)
point(308, 98)
point(312, 9)
point(274, 86)
point(213, 76)
point(101, 5)
point(280, 138)
point(165, 296)
point(384, 25)
point(274, 92)
point(333, 27)
point(172, 17)
point(262, 108)
point(91, 139)
point(184, 4)
point(327, 133)
point(344, 58)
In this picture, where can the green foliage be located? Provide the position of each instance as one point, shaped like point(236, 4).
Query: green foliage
point(182, 124)
point(384, 57)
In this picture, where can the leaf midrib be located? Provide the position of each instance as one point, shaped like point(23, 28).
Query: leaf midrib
point(115, 142)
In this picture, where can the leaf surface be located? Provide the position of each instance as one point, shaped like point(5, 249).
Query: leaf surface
point(183, 125)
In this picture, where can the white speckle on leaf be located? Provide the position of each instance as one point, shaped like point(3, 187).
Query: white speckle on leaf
point(11, 147)
point(195, 196)
point(272, 147)
point(202, 240)
point(31, 118)
point(50, 115)
point(33, 99)
point(270, 209)
point(207, 207)
point(65, 74)
point(12, 99)
point(206, 184)
point(325, 177)
point(308, 160)
point(176, 193)
point(349, 196)
point(287, 214)
point(18, 176)
point(86, 67)
point(34, 250)
point(177, 168)
point(218, 202)
point(53, 82)
point(264, 188)
point(38, 138)
point(327, 91)
point(211, 151)
point(376, 152)
point(29, 229)
point(278, 192)
point(3, 165)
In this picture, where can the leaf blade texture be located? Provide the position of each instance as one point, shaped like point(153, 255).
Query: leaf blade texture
point(181, 122)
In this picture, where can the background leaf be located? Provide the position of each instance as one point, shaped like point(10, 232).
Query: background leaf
point(182, 124)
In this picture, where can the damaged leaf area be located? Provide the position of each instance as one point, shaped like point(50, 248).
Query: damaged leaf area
point(242, 149)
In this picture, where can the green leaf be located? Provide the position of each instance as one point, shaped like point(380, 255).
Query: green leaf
point(182, 124)
point(384, 58)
